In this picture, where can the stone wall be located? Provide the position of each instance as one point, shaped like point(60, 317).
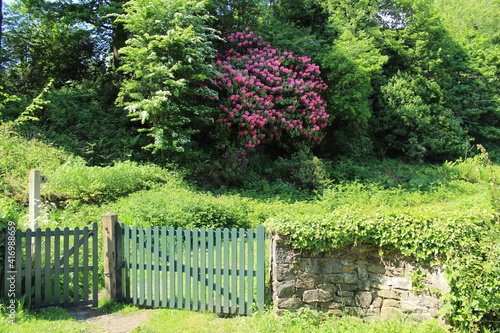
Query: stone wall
point(355, 280)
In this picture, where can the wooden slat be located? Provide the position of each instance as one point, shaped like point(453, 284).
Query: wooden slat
point(126, 274)
point(250, 271)
point(38, 267)
point(203, 267)
point(135, 283)
point(171, 266)
point(187, 276)
point(149, 261)
point(234, 271)
point(218, 269)
point(211, 269)
point(86, 268)
point(142, 272)
point(241, 272)
point(29, 263)
point(48, 252)
point(164, 264)
point(196, 272)
point(66, 276)
point(156, 265)
point(179, 295)
point(95, 266)
point(57, 267)
point(118, 270)
point(227, 286)
point(19, 261)
point(261, 266)
point(76, 265)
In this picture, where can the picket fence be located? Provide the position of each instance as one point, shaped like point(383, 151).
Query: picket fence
point(53, 267)
point(204, 269)
point(218, 270)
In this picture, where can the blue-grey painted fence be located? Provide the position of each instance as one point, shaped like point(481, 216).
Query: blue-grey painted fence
point(54, 267)
point(218, 270)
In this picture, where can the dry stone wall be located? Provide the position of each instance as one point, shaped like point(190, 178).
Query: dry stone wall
point(356, 280)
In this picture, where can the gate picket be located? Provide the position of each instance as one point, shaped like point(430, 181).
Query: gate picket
point(47, 266)
point(171, 266)
point(203, 270)
point(195, 272)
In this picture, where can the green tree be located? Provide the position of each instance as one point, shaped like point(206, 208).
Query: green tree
point(474, 24)
point(40, 46)
point(235, 15)
point(165, 62)
point(426, 105)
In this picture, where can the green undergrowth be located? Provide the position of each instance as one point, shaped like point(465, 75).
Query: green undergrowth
point(266, 322)
point(55, 319)
point(52, 319)
point(78, 183)
point(441, 214)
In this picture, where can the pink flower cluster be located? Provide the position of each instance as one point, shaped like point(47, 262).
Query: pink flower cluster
point(269, 92)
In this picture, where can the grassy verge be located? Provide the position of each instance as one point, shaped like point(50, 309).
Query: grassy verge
point(52, 319)
point(55, 319)
point(192, 322)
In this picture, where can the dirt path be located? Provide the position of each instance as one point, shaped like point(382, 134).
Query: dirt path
point(110, 323)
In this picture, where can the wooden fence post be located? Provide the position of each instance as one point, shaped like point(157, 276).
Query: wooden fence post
point(109, 222)
point(34, 198)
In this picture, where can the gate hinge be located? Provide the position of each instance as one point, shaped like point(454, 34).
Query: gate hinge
point(120, 266)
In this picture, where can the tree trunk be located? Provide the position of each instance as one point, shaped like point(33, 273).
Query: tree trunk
point(1, 23)
point(119, 35)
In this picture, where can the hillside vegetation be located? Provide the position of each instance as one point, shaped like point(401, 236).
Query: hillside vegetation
point(441, 214)
point(330, 121)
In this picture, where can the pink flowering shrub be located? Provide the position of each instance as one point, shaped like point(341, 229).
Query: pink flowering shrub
point(268, 95)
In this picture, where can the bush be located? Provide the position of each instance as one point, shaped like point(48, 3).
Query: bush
point(78, 183)
point(302, 170)
point(267, 95)
point(231, 170)
point(174, 206)
point(19, 155)
point(81, 119)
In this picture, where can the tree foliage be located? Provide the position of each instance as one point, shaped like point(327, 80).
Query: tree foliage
point(165, 61)
point(411, 79)
point(39, 46)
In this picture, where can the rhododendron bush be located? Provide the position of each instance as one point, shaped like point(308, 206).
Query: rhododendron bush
point(267, 95)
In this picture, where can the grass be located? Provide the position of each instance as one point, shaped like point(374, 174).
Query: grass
point(52, 319)
point(55, 319)
point(267, 322)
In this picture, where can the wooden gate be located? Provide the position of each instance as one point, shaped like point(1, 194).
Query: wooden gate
point(53, 267)
point(201, 269)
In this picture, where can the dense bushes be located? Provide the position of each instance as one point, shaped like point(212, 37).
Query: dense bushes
point(268, 95)
point(445, 214)
point(180, 207)
point(78, 183)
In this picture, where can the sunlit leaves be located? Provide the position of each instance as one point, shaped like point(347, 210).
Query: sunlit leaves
point(165, 61)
